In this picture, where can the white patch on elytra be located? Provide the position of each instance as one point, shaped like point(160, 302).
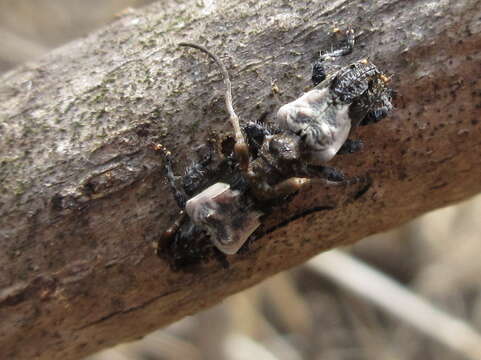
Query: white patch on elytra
point(220, 210)
point(323, 125)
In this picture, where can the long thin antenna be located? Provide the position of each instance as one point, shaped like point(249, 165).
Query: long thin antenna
point(234, 119)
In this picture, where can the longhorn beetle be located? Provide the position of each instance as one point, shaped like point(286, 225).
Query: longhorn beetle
point(268, 164)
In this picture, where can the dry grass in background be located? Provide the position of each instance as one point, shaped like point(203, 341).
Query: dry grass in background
point(306, 313)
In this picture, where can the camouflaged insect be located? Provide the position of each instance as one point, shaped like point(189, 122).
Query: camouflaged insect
point(221, 204)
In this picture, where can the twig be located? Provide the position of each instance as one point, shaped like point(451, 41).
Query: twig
point(385, 292)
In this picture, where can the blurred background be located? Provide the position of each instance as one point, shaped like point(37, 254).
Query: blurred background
point(419, 297)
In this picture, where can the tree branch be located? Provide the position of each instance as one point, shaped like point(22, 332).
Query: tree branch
point(82, 196)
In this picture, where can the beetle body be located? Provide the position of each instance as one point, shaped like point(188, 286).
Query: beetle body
point(267, 165)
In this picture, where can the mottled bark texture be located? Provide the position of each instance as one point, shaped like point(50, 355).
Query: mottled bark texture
point(83, 196)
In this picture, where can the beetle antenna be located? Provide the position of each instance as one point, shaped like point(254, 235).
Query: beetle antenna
point(234, 119)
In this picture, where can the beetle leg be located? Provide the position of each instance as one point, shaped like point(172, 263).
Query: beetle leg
point(168, 234)
point(284, 188)
point(179, 194)
point(318, 68)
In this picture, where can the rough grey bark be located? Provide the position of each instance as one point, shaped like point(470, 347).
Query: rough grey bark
point(82, 193)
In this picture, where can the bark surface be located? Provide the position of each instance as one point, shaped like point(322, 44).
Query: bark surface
point(82, 194)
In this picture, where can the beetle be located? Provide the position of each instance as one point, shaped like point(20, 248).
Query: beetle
point(224, 201)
